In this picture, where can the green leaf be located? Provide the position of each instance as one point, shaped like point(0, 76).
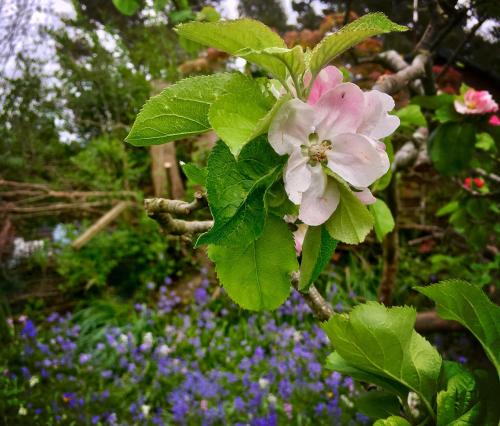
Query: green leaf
point(351, 221)
point(458, 403)
point(317, 251)
point(195, 174)
point(489, 389)
point(127, 7)
point(236, 117)
point(336, 363)
point(209, 14)
point(382, 341)
point(447, 113)
point(449, 208)
point(463, 302)
point(411, 116)
point(432, 102)
point(159, 4)
point(383, 220)
point(293, 59)
point(236, 37)
point(451, 147)
point(256, 275)
point(392, 421)
point(177, 16)
point(385, 180)
point(485, 142)
point(181, 110)
point(378, 404)
point(236, 191)
point(367, 26)
point(278, 202)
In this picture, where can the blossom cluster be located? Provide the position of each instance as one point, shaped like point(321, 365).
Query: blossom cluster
point(207, 363)
point(336, 133)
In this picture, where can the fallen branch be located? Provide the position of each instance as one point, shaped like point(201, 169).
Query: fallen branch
point(430, 322)
point(98, 226)
point(50, 208)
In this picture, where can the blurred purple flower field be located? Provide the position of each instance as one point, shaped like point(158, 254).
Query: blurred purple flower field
point(208, 363)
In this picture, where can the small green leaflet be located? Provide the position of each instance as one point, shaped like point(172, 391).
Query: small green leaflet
point(392, 421)
point(127, 7)
point(236, 116)
point(383, 220)
point(236, 191)
point(378, 404)
point(195, 174)
point(411, 116)
point(459, 401)
point(385, 180)
point(256, 274)
point(466, 303)
point(485, 142)
point(351, 221)
point(317, 251)
point(292, 58)
point(181, 110)
point(336, 363)
point(451, 147)
point(382, 341)
point(433, 102)
point(367, 26)
point(236, 37)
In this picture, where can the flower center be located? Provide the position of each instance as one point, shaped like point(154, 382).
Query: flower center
point(316, 150)
point(470, 104)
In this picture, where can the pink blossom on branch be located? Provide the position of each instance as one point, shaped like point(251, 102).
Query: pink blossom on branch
point(476, 102)
point(338, 128)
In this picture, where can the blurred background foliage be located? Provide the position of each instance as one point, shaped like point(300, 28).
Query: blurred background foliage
point(63, 127)
point(63, 163)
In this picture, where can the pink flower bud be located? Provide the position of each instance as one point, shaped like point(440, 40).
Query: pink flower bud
point(494, 120)
point(479, 182)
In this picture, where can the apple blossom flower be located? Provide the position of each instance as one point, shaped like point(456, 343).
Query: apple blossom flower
point(494, 120)
point(476, 102)
point(337, 128)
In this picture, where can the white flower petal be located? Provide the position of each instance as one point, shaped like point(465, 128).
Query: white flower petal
point(320, 200)
point(297, 176)
point(365, 196)
point(291, 126)
point(339, 110)
point(376, 122)
point(357, 159)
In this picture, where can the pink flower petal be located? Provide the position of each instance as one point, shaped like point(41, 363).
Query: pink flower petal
point(291, 126)
point(357, 159)
point(320, 200)
point(299, 235)
point(376, 122)
point(327, 79)
point(297, 176)
point(340, 110)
